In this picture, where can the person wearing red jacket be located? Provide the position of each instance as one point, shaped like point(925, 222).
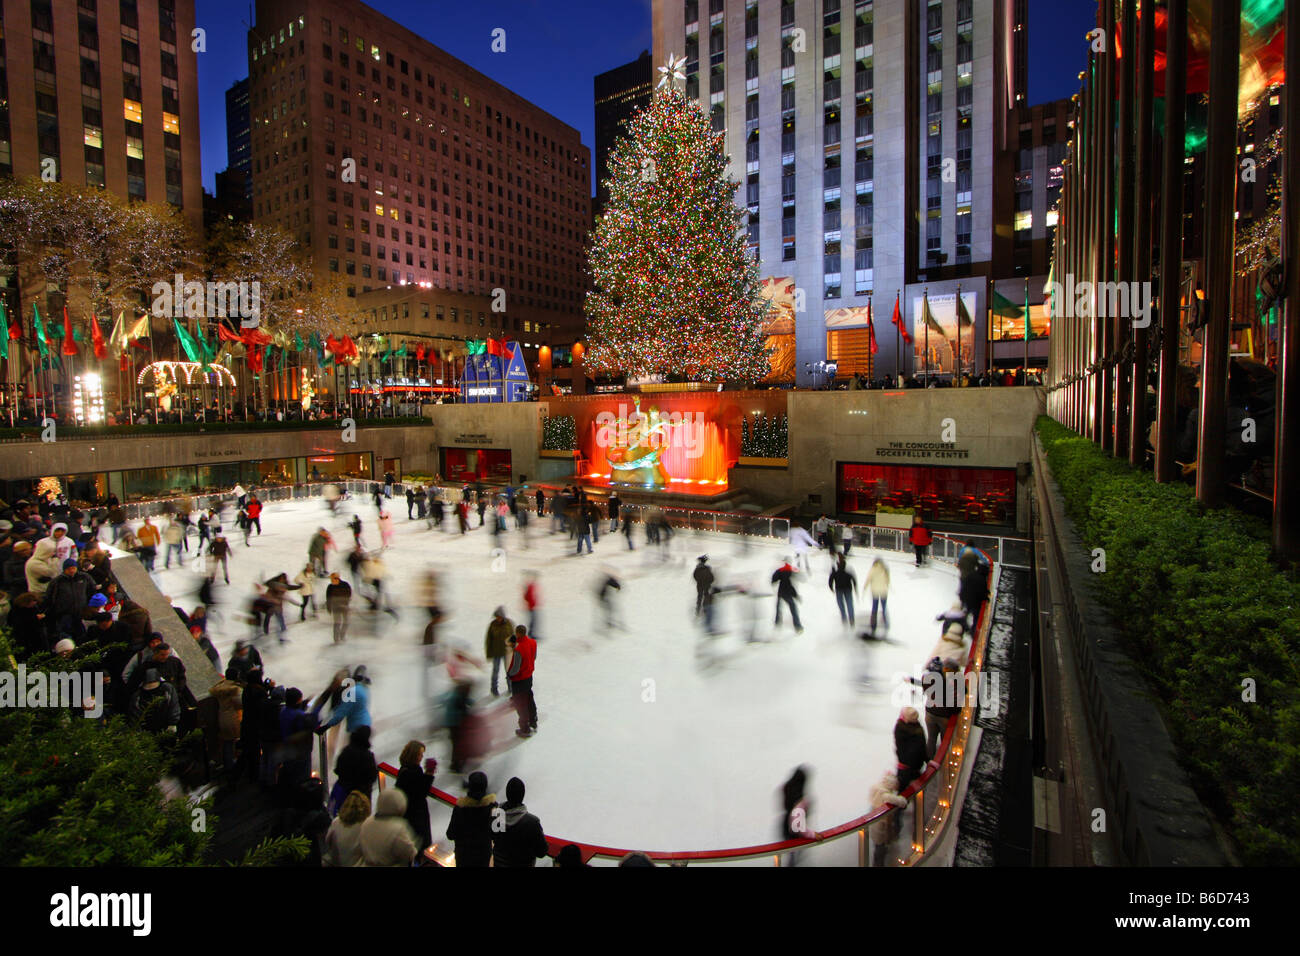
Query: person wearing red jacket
point(920, 537)
point(520, 672)
point(254, 512)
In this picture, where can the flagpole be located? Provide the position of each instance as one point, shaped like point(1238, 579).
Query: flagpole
point(925, 300)
point(1026, 376)
point(898, 345)
point(956, 372)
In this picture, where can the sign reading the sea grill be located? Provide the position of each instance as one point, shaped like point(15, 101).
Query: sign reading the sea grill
point(925, 450)
point(479, 440)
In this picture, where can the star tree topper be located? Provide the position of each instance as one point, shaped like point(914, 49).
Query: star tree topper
point(672, 71)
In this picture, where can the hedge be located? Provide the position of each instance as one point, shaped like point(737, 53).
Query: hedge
point(194, 428)
point(1203, 609)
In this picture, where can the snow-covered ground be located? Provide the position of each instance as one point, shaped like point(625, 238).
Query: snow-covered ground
point(652, 736)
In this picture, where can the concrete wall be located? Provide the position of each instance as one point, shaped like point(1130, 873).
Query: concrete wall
point(413, 445)
point(991, 426)
point(512, 425)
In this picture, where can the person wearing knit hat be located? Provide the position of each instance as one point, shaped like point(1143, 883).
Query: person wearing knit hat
point(65, 647)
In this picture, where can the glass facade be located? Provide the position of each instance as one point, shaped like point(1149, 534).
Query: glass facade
point(142, 484)
point(937, 492)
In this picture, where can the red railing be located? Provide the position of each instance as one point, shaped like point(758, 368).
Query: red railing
point(945, 758)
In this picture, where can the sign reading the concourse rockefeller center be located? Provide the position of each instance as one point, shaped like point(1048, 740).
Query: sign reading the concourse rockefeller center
point(922, 450)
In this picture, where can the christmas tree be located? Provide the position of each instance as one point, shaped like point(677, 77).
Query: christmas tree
point(674, 288)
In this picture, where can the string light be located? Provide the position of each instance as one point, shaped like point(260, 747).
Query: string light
point(675, 291)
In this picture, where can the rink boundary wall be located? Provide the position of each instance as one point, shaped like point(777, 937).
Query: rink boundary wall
point(1160, 820)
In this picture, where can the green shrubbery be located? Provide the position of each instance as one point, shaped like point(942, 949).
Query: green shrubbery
point(1204, 610)
point(75, 793)
point(559, 433)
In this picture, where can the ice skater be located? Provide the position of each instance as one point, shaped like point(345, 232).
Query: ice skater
point(920, 537)
point(801, 541)
point(386, 530)
point(785, 591)
point(703, 583)
point(495, 643)
point(523, 659)
point(605, 597)
point(843, 582)
point(877, 584)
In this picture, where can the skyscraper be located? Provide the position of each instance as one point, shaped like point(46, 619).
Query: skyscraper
point(619, 93)
point(863, 136)
point(239, 152)
point(103, 95)
point(397, 164)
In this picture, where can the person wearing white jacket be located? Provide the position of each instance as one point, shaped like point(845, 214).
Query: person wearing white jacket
point(386, 838)
point(306, 579)
point(885, 830)
point(802, 541)
point(877, 584)
point(343, 838)
point(43, 566)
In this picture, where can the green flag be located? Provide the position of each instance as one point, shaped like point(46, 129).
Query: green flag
point(475, 347)
point(4, 331)
point(208, 349)
point(1005, 307)
point(1027, 311)
point(297, 343)
point(400, 353)
point(188, 345)
point(41, 341)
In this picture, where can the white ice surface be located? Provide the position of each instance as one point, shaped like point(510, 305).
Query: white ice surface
point(651, 736)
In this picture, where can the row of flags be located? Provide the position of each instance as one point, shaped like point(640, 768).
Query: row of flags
point(201, 349)
point(118, 339)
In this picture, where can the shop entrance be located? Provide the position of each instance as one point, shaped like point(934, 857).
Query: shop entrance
point(936, 492)
point(491, 465)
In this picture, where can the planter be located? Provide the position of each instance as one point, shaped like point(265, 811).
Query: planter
point(902, 522)
point(764, 462)
point(554, 453)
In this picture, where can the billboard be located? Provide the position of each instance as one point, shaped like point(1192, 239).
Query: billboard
point(936, 329)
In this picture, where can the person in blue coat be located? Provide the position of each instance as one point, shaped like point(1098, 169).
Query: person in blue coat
point(353, 704)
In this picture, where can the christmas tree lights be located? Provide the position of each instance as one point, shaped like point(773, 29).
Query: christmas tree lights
point(675, 291)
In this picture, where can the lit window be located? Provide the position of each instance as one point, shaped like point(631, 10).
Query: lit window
point(132, 111)
point(1051, 218)
point(379, 210)
point(94, 137)
point(135, 147)
point(1024, 219)
point(374, 52)
point(171, 123)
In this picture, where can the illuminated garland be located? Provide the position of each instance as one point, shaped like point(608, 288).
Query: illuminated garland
point(675, 291)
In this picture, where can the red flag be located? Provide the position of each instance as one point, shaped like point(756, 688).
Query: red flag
point(97, 338)
point(121, 363)
point(419, 353)
point(495, 347)
point(898, 322)
point(871, 329)
point(16, 330)
point(69, 344)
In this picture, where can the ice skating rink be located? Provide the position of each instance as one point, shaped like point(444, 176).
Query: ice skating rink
point(652, 736)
